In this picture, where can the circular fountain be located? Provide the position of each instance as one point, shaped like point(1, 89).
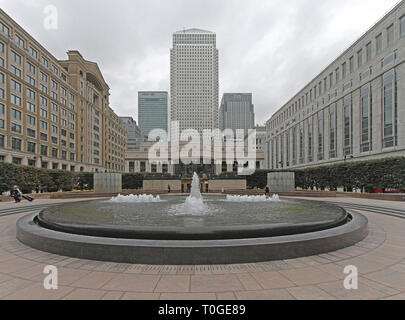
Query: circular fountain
point(194, 230)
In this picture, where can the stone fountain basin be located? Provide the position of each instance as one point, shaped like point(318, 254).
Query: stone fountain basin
point(222, 221)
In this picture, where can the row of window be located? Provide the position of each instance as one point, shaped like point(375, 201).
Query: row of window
point(341, 72)
point(303, 150)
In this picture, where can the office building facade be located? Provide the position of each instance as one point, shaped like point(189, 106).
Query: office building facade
point(353, 110)
point(237, 112)
point(135, 137)
point(53, 114)
point(152, 111)
point(194, 81)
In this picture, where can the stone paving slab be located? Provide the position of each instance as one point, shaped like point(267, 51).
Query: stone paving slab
point(380, 260)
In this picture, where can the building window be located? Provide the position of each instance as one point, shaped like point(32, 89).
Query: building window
point(347, 125)
point(351, 64)
point(282, 151)
point(320, 136)
point(16, 100)
point(369, 51)
point(301, 137)
point(31, 133)
point(44, 136)
point(344, 67)
point(17, 161)
point(379, 43)
point(153, 168)
point(31, 147)
point(4, 29)
point(15, 114)
point(287, 148)
point(294, 145)
point(390, 35)
point(1, 141)
point(16, 128)
point(310, 140)
point(390, 109)
point(31, 120)
point(402, 26)
point(332, 131)
point(44, 150)
point(16, 144)
point(359, 58)
point(143, 166)
point(366, 118)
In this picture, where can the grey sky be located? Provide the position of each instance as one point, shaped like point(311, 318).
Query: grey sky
point(271, 48)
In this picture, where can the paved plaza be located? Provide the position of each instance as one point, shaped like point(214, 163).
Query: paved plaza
point(380, 260)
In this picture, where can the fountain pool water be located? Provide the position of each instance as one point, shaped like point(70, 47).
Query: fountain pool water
point(142, 198)
point(192, 230)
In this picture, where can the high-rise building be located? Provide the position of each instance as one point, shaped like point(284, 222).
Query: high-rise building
point(237, 112)
point(194, 80)
point(353, 110)
point(152, 111)
point(54, 114)
point(135, 136)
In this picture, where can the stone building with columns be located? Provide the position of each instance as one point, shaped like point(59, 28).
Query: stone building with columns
point(353, 110)
point(142, 162)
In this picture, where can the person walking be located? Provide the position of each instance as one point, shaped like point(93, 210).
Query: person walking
point(267, 191)
point(169, 189)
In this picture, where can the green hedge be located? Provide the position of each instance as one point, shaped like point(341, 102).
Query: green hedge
point(30, 179)
point(365, 175)
point(34, 179)
point(132, 181)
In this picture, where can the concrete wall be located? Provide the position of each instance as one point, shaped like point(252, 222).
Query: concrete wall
point(161, 185)
point(281, 181)
point(107, 182)
point(217, 185)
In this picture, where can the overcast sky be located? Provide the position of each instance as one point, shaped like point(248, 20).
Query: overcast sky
point(271, 48)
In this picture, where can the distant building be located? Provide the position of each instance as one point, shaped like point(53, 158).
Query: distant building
point(194, 80)
point(152, 111)
point(261, 135)
point(237, 112)
point(135, 136)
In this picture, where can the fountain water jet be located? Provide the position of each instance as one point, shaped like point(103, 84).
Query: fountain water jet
point(194, 204)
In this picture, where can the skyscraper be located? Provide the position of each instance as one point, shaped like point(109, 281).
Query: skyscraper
point(194, 80)
point(152, 111)
point(135, 137)
point(237, 112)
